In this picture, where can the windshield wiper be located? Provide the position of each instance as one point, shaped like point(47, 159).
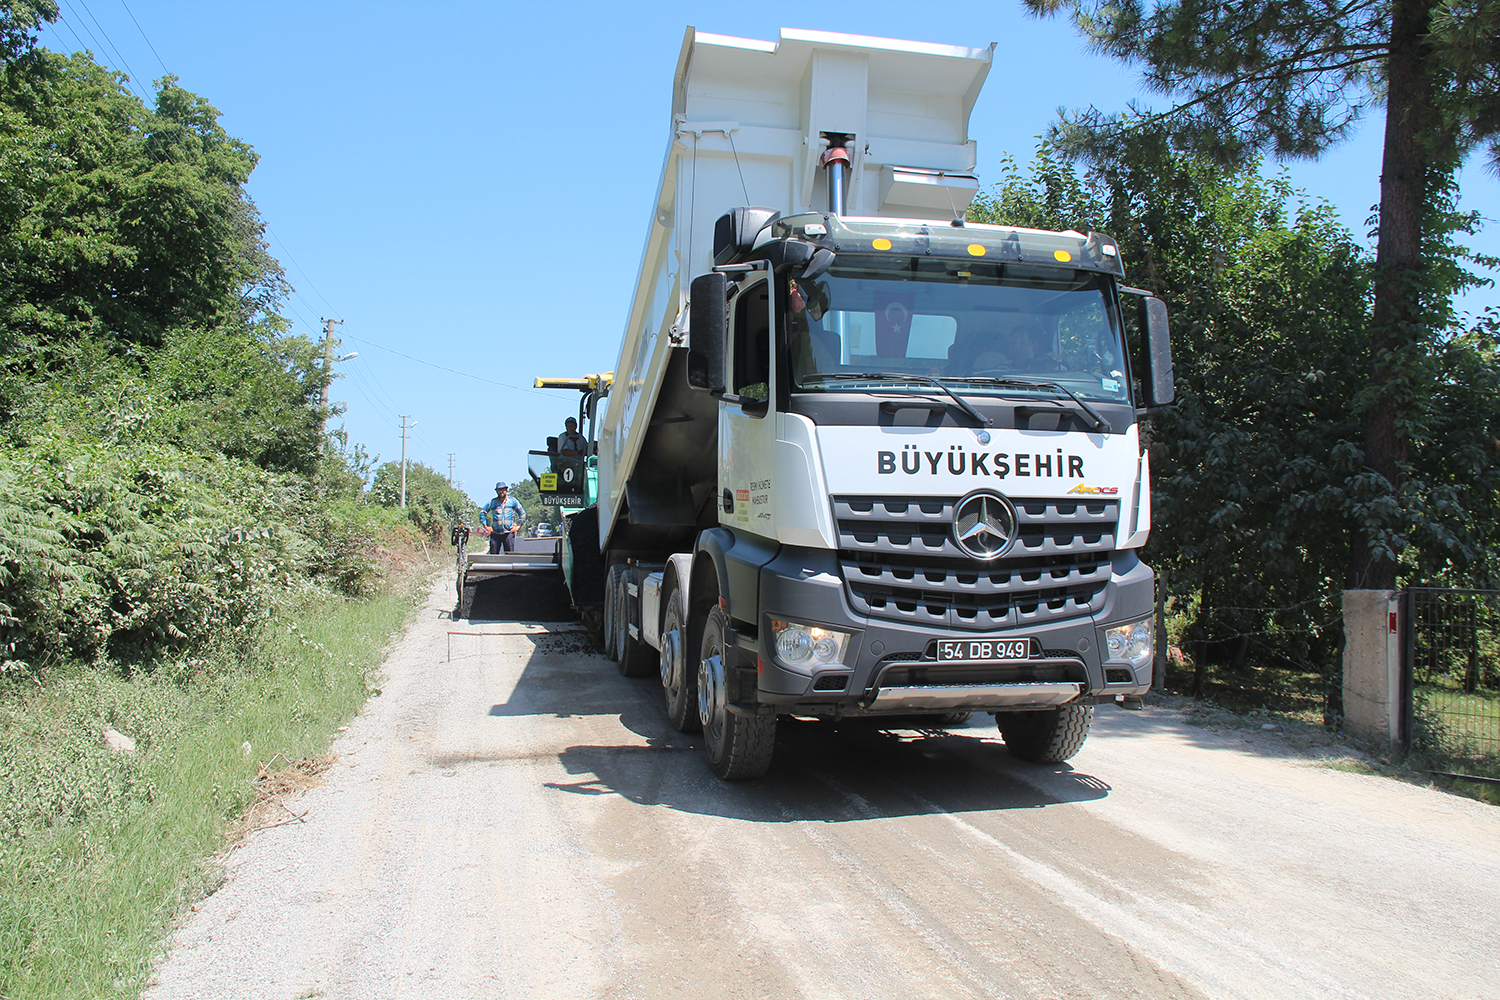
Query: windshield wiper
point(963, 404)
point(1100, 424)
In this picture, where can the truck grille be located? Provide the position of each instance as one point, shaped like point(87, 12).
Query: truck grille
point(900, 563)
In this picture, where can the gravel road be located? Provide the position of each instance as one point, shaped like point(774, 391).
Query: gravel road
point(520, 821)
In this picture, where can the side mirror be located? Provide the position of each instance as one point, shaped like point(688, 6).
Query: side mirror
point(1156, 380)
point(708, 295)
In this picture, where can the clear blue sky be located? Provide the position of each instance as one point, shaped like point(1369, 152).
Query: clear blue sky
point(467, 184)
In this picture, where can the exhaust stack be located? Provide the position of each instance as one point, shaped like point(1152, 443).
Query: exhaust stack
point(836, 161)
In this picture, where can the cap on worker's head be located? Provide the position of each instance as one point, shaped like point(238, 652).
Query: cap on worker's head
point(570, 422)
point(501, 486)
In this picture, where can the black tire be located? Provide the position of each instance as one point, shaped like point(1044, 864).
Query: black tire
point(1047, 737)
point(612, 590)
point(679, 674)
point(739, 746)
point(953, 719)
point(637, 659)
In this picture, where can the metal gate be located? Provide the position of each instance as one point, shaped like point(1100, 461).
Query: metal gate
point(1450, 676)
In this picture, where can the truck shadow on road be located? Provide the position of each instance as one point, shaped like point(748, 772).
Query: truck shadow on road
point(830, 773)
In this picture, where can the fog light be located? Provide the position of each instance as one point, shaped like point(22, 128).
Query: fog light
point(1133, 643)
point(826, 649)
point(797, 644)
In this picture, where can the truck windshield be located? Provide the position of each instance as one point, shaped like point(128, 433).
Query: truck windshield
point(981, 328)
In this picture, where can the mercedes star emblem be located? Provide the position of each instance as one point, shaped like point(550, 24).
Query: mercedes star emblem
point(984, 524)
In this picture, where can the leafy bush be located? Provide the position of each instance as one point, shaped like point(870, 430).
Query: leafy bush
point(432, 503)
point(143, 554)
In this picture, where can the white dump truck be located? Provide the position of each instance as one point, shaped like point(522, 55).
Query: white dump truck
point(862, 457)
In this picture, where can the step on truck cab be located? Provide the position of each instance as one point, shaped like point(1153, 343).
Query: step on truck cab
point(862, 457)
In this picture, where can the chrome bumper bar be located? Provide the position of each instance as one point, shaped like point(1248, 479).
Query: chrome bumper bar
point(976, 696)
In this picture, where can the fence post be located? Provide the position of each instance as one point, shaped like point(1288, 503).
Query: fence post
point(1408, 640)
point(1372, 666)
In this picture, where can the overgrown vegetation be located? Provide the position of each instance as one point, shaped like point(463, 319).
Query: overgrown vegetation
point(186, 558)
point(165, 484)
point(433, 504)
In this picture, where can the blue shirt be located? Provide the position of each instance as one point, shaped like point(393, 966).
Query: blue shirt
point(503, 515)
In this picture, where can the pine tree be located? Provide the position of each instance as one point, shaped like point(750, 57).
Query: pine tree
point(1293, 77)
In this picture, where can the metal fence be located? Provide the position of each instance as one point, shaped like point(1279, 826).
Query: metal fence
point(1451, 674)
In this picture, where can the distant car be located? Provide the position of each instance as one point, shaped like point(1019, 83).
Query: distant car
point(543, 530)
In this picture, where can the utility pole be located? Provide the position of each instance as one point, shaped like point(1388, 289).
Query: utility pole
point(328, 360)
point(450, 468)
point(404, 428)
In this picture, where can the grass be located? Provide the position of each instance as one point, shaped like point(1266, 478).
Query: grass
point(1461, 725)
point(1256, 688)
point(99, 849)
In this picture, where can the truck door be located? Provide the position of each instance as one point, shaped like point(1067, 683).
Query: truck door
point(747, 428)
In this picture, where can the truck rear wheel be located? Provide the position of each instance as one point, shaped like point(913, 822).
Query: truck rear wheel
point(637, 659)
point(739, 746)
point(678, 677)
point(613, 590)
point(1046, 737)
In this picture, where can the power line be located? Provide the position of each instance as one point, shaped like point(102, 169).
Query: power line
point(77, 42)
point(377, 386)
point(451, 371)
point(99, 47)
point(138, 27)
point(298, 266)
point(366, 390)
point(109, 41)
point(377, 407)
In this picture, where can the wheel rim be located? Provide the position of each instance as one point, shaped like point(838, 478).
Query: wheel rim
point(671, 666)
point(711, 693)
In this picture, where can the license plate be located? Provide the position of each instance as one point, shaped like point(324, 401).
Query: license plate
point(983, 649)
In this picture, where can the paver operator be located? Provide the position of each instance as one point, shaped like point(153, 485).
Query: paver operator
point(504, 517)
point(572, 444)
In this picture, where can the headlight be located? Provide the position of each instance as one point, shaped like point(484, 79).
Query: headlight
point(801, 645)
point(1133, 643)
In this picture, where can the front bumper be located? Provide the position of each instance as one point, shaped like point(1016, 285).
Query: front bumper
point(890, 667)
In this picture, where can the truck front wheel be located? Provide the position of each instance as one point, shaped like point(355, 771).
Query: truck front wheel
point(739, 746)
point(678, 678)
point(1046, 737)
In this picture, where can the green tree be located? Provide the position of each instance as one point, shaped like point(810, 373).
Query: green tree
point(1292, 76)
point(19, 20)
point(530, 498)
point(133, 269)
point(432, 503)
